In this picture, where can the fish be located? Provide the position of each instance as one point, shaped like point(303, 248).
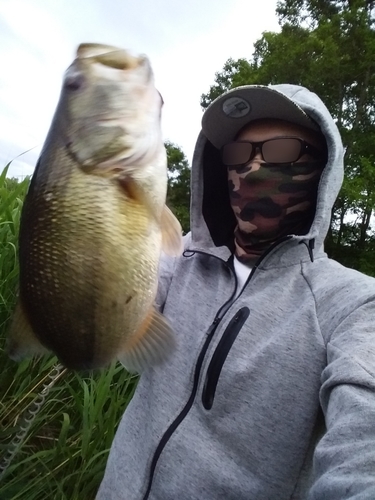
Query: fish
point(94, 222)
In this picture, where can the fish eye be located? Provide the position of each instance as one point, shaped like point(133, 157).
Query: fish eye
point(74, 81)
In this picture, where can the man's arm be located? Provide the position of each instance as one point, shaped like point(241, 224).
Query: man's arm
point(344, 460)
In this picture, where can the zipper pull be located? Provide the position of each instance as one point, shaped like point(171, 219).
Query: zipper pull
point(213, 326)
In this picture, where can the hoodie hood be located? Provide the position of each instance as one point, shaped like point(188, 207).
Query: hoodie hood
point(212, 219)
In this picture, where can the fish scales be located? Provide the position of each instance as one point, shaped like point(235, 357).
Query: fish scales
point(90, 243)
point(85, 271)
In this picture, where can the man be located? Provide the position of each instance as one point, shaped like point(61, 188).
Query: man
point(271, 392)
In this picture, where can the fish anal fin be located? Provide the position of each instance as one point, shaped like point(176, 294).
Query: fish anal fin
point(151, 345)
point(171, 233)
point(21, 340)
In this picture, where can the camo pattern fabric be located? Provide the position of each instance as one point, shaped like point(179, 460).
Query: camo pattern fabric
point(271, 201)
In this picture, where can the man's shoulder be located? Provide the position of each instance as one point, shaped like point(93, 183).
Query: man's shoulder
point(333, 283)
point(339, 272)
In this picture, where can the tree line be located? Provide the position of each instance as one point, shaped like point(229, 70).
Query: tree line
point(327, 46)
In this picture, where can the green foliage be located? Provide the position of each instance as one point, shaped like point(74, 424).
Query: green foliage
point(64, 454)
point(12, 194)
point(178, 195)
point(234, 74)
point(327, 46)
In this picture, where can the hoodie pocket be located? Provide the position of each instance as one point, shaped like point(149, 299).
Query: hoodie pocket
point(220, 355)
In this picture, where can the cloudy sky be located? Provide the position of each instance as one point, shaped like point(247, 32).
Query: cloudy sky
point(187, 41)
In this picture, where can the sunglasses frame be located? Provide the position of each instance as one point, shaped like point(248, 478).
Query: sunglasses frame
point(306, 148)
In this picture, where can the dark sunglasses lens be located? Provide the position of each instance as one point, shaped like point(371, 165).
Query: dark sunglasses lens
point(281, 150)
point(236, 153)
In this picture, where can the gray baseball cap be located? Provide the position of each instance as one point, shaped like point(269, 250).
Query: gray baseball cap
point(230, 112)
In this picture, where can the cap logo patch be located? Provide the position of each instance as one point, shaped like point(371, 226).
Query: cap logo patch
point(236, 107)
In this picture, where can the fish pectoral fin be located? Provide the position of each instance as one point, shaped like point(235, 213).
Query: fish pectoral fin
point(131, 189)
point(170, 227)
point(135, 192)
point(21, 341)
point(171, 233)
point(151, 345)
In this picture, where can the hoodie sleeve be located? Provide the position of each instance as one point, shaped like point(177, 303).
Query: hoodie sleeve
point(344, 459)
point(166, 269)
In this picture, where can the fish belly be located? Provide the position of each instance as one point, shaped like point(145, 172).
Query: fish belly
point(88, 267)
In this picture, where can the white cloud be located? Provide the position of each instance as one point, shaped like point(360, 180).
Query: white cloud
point(187, 42)
point(32, 23)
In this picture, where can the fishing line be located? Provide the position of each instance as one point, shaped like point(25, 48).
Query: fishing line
point(28, 418)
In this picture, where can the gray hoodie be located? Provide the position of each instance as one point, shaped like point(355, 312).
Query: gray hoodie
point(270, 395)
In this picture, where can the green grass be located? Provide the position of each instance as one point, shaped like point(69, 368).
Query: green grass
point(65, 450)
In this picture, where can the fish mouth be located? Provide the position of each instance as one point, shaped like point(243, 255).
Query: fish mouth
point(109, 56)
point(104, 57)
point(104, 120)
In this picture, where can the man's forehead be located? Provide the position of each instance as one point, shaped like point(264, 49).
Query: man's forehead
point(268, 128)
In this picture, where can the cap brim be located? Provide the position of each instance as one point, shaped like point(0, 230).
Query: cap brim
point(229, 113)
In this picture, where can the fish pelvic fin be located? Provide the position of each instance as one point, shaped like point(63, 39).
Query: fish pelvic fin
point(21, 341)
point(171, 233)
point(151, 345)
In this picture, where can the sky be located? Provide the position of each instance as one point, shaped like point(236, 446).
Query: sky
point(187, 42)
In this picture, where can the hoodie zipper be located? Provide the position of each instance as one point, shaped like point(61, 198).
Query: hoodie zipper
point(232, 330)
point(171, 429)
point(198, 367)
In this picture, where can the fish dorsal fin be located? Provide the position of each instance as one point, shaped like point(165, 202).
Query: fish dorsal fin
point(171, 233)
point(151, 345)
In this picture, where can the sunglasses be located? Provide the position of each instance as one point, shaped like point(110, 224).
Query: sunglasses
point(278, 150)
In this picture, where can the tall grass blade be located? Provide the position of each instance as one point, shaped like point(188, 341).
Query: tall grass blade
point(65, 450)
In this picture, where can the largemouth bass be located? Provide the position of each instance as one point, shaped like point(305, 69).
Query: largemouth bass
point(94, 221)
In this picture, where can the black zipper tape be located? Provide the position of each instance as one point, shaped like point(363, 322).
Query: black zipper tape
point(171, 429)
point(198, 368)
point(220, 355)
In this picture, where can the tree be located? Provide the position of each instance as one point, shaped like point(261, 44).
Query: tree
point(178, 195)
point(327, 46)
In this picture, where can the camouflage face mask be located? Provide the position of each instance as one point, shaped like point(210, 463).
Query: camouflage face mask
point(271, 201)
